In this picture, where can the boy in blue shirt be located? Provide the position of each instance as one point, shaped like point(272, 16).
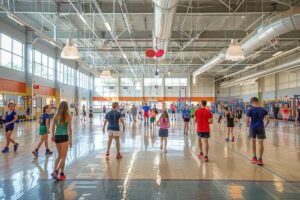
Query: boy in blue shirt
point(186, 118)
point(9, 120)
point(257, 128)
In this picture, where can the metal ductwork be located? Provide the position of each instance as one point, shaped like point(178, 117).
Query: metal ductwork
point(279, 24)
point(164, 12)
point(291, 64)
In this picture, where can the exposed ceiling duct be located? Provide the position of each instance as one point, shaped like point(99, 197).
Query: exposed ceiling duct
point(291, 64)
point(279, 24)
point(164, 12)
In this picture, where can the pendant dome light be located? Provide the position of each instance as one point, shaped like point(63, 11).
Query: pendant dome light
point(234, 51)
point(70, 51)
point(106, 74)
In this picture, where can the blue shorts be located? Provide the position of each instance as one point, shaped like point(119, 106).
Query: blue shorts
point(163, 132)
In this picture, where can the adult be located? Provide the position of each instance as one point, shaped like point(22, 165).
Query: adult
point(257, 128)
point(146, 110)
point(113, 118)
point(276, 110)
point(203, 119)
point(173, 110)
point(239, 115)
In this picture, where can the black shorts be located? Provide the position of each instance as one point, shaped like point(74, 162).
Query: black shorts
point(186, 119)
point(61, 138)
point(230, 125)
point(203, 134)
point(275, 116)
point(192, 116)
point(9, 129)
point(258, 133)
point(173, 111)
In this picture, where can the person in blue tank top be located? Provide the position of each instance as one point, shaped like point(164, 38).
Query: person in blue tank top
point(62, 136)
point(44, 131)
point(257, 115)
point(9, 122)
point(186, 118)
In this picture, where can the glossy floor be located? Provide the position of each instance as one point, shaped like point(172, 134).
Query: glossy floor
point(147, 173)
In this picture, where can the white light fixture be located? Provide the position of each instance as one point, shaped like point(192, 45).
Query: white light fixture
point(70, 51)
point(169, 73)
point(82, 19)
point(9, 15)
point(107, 26)
point(234, 51)
point(276, 54)
point(106, 74)
point(124, 55)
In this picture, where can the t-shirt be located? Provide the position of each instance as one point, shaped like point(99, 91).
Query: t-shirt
point(192, 111)
point(276, 110)
point(186, 113)
point(257, 115)
point(43, 118)
point(173, 107)
point(134, 110)
point(113, 118)
point(10, 116)
point(239, 113)
point(153, 114)
point(202, 118)
point(146, 108)
point(230, 119)
point(164, 123)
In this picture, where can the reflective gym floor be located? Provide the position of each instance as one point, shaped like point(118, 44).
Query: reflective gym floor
point(147, 173)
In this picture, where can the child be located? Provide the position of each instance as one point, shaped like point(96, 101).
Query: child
point(113, 118)
point(186, 119)
point(62, 136)
point(164, 124)
point(297, 120)
point(44, 131)
point(152, 118)
point(230, 124)
point(9, 120)
point(285, 113)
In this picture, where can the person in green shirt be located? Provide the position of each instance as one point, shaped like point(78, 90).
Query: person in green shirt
point(192, 112)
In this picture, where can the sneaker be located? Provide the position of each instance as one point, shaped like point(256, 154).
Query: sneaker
point(200, 156)
point(232, 140)
point(254, 160)
point(48, 152)
point(5, 150)
point(260, 162)
point(55, 175)
point(35, 153)
point(227, 139)
point(119, 156)
point(206, 158)
point(107, 154)
point(62, 176)
point(16, 147)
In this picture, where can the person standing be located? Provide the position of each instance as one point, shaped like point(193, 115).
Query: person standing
point(173, 110)
point(152, 118)
point(192, 112)
point(113, 118)
point(230, 118)
point(62, 136)
point(186, 119)
point(220, 114)
point(104, 109)
point(9, 123)
point(163, 133)
point(297, 120)
point(276, 110)
point(83, 118)
point(255, 120)
point(285, 113)
point(203, 119)
point(146, 109)
point(239, 115)
point(134, 112)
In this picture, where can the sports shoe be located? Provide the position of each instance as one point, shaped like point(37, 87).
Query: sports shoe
point(232, 140)
point(5, 150)
point(254, 160)
point(200, 156)
point(119, 156)
point(260, 162)
point(107, 154)
point(35, 153)
point(55, 175)
point(48, 152)
point(206, 158)
point(227, 139)
point(16, 147)
point(62, 176)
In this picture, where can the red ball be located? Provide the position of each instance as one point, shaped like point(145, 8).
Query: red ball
point(150, 53)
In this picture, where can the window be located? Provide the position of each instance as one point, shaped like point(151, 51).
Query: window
point(127, 82)
point(105, 87)
point(11, 53)
point(65, 74)
point(83, 80)
point(152, 81)
point(44, 66)
point(175, 82)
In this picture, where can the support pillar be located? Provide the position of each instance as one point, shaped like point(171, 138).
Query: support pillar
point(77, 80)
point(91, 90)
point(57, 83)
point(118, 88)
point(28, 66)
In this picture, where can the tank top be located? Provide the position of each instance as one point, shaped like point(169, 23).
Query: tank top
point(164, 123)
point(285, 110)
point(61, 129)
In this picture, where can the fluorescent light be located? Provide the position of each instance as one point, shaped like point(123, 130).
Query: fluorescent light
point(276, 54)
point(81, 17)
point(53, 43)
point(124, 55)
point(14, 19)
point(107, 26)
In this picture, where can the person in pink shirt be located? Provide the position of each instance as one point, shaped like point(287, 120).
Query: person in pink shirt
point(164, 124)
point(173, 110)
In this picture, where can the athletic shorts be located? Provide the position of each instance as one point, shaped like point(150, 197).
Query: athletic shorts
point(258, 133)
point(173, 111)
point(61, 138)
point(163, 132)
point(275, 116)
point(114, 133)
point(186, 119)
point(43, 130)
point(146, 114)
point(192, 116)
point(230, 125)
point(9, 129)
point(203, 134)
point(152, 119)
point(285, 116)
point(123, 115)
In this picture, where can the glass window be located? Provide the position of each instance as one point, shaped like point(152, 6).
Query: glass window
point(6, 42)
point(6, 59)
point(44, 60)
point(37, 57)
point(17, 63)
point(17, 48)
point(152, 81)
point(37, 69)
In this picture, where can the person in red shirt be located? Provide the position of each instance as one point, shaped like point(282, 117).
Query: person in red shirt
point(203, 118)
